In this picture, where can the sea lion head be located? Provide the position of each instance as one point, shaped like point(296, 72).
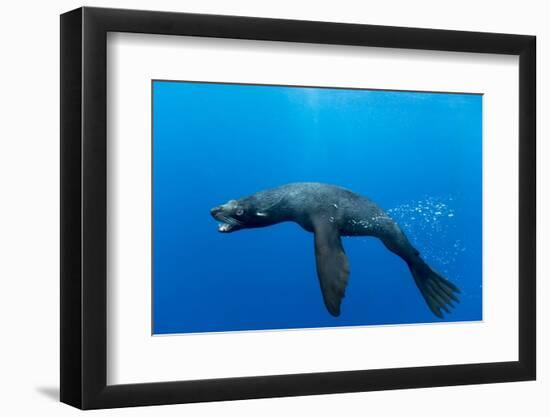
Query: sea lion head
point(239, 214)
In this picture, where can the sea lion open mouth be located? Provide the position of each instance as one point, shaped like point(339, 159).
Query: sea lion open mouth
point(228, 224)
point(224, 227)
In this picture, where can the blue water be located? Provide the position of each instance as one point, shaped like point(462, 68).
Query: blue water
point(417, 155)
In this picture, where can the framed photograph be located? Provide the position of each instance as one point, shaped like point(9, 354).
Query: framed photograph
point(257, 208)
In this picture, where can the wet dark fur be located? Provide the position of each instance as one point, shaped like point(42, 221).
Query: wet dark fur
point(330, 212)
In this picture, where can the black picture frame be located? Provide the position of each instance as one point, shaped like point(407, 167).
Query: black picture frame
point(84, 207)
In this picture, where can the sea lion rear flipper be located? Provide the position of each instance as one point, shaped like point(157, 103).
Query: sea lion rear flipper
point(438, 292)
point(332, 264)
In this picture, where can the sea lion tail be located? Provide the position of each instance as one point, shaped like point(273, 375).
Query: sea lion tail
point(438, 292)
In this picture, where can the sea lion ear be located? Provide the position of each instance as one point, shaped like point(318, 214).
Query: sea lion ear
point(261, 214)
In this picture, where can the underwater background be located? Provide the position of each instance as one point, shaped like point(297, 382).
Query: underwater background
point(417, 155)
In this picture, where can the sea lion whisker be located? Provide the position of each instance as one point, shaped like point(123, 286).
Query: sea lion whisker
point(226, 219)
point(231, 221)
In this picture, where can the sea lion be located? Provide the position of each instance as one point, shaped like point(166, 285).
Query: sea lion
point(330, 212)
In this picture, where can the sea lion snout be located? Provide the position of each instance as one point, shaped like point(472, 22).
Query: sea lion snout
point(215, 210)
point(226, 215)
point(223, 210)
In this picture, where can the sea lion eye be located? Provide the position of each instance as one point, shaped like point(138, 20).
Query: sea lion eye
point(239, 212)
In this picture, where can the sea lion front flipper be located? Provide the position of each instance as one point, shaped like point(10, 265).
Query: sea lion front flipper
point(332, 264)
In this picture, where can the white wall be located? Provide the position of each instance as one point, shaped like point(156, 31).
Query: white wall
point(29, 237)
